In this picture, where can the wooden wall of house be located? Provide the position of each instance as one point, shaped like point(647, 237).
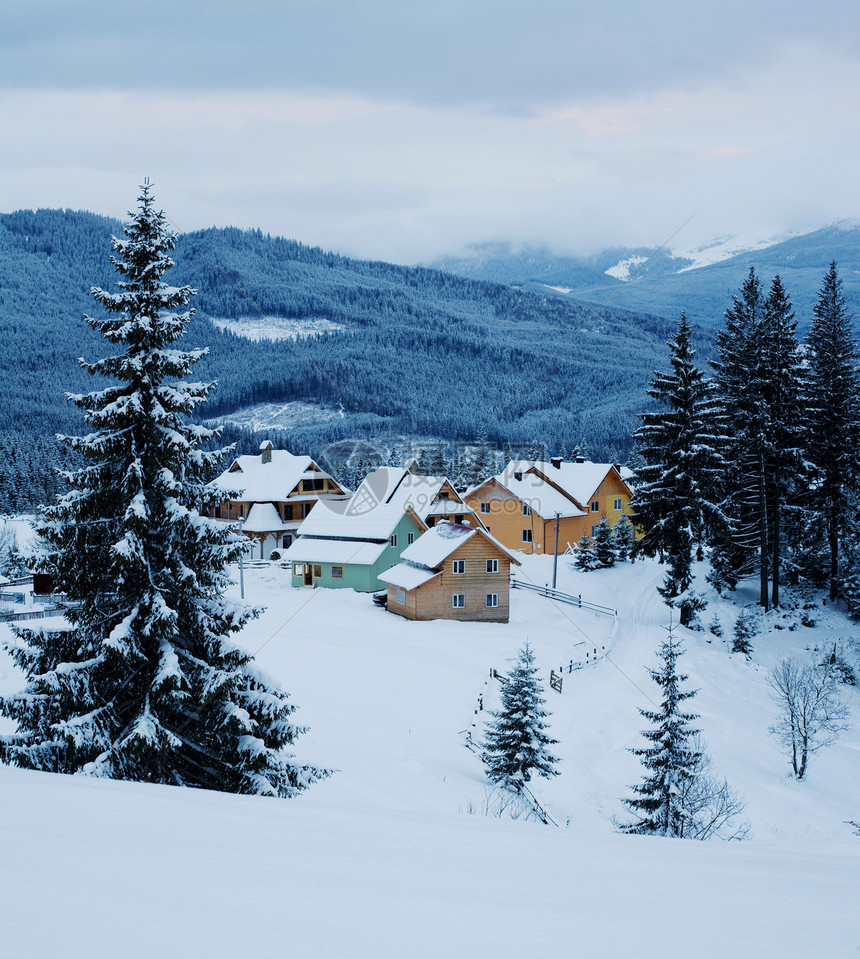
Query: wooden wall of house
point(433, 600)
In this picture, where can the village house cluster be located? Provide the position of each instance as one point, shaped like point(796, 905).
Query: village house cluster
point(437, 554)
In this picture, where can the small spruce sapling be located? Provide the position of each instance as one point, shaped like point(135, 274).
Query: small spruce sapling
point(585, 559)
point(671, 758)
point(516, 743)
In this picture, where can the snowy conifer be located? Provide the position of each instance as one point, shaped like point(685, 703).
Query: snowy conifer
point(585, 559)
point(671, 759)
point(604, 547)
point(679, 468)
point(145, 684)
point(516, 744)
point(833, 410)
point(623, 538)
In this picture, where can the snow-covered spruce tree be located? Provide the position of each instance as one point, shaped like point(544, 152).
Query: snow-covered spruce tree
point(678, 476)
point(604, 548)
point(146, 684)
point(585, 559)
point(516, 746)
point(671, 759)
point(759, 385)
point(833, 411)
point(623, 538)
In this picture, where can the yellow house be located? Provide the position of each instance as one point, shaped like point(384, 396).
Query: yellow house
point(520, 505)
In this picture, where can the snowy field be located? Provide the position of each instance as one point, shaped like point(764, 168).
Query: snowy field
point(395, 856)
point(276, 327)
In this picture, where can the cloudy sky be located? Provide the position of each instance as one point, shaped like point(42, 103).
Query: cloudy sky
point(398, 130)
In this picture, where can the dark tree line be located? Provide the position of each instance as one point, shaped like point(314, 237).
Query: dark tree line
point(761, 462)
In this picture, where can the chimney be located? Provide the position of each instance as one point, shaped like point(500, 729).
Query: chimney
point(580, 459)
point(556, 461)
point(617, 467)
point(411, 465)
point(266, 451)
point(518, 476)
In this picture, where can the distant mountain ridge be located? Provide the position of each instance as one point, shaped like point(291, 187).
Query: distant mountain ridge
point(665, 283)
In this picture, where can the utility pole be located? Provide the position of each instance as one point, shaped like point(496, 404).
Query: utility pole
point(555, 557)
point(241, 561)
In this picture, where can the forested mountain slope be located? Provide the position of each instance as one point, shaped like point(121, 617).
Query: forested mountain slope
point(420, 351)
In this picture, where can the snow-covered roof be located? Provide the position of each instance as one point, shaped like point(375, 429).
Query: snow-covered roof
point(268, 482)
point(576, 483)
point(336, 518)
point(407, 576)
point(436, 545)
point(307, 550)
point(432, 548)
point(263, 518)
point(380, 501)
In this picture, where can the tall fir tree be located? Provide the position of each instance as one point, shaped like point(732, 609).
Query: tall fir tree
point(671, 759)
point(679, 469)
point(782, 382)
point(743, 547)
point(833, 417)
point(516, 745)
point(145, 684)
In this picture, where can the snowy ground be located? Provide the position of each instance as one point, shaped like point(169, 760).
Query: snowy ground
point(277, 327)
point(392, 856)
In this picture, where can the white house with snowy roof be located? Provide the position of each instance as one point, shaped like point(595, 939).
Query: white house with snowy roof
point(453, 571)
point(348, 544)
point(520, 505)
point(271, 494)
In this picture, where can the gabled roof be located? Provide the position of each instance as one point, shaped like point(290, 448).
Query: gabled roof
point(566, 489)
point(336, 518)
point(268, 482)
point(432, 548)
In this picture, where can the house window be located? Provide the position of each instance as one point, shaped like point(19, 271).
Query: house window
point(458, 601)
point(392, 540)
point(410, 539)
point(400, 596)
point(287, 511)
point(492, 566)
point(485, 507)
point(287, 540)
point(595, 506)
point(298, 569)
point(218, 512)
point(459, 566)
point(527, 535)
point(337, 572)
point(527, 510)
point(317, 571)
point(492, 600)
point(313, 485)
point(618, 505)
point(594, 532)
point(306, 508)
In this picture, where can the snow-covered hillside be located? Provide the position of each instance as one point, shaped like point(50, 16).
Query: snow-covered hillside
point(394, 856)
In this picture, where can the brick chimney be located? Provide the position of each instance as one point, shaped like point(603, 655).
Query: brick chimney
point(266, 451)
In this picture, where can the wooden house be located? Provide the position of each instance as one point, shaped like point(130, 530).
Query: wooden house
point(348, 544)
point(519, 506)
point(271, 494)
point(453, 571)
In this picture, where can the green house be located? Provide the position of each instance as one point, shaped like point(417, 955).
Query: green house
point(350, 561)
point(348, 544)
